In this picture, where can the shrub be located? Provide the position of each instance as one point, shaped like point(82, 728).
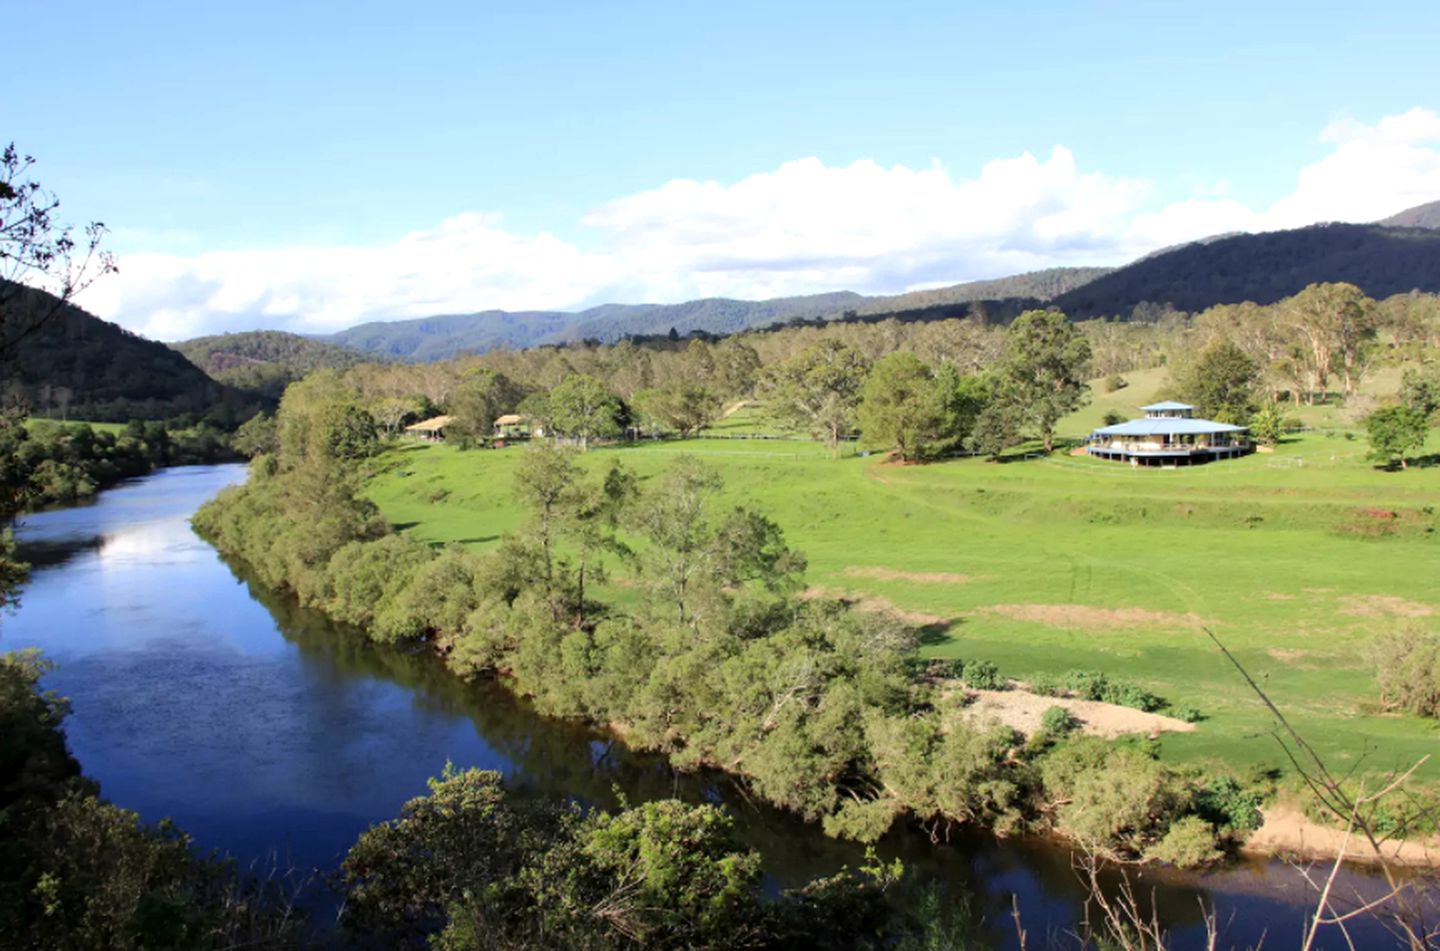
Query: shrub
point(1407, 669)
point(1047, 686)
point(1111, 797)
point(1189, 842)
point(1086, 684)
point(1058, 721)
point(1115, 382)
point(983, 675)
point(1187, 714)
point(1131, 695)
point(1224, 802)
point(1113, 417)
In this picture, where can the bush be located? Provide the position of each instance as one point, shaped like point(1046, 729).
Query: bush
point(1188, 843)
point(1407, 669)
point(1130, 695)
point(1047, 686)
point(1086, 684)
point(983, 675)
point(1112, 418)
point(1057, 721)
point(1187, 714)
point(1224, 802)
point(1115, 382)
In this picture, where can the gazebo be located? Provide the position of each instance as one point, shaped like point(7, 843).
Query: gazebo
point(1169, 435)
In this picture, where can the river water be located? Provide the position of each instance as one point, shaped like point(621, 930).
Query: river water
point(269, 733)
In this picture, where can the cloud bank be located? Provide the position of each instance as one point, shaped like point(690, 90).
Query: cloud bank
point(802, 228)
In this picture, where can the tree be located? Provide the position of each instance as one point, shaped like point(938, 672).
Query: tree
point(39, 252)
point(1336, 322)
point(903, 407)
point(1041, 375)
point(1420, 389)
point(693, 557)
point(582, 408)
point(477, 402)
point(1221, 382)
point(820, 388)
point(683, 407)
point(1267, 424)
point(1395, 432)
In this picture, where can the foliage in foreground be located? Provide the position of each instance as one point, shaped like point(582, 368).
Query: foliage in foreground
point(480, 866)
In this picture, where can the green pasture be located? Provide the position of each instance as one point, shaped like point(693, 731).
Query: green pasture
point(1294, 559)
point(39, 421)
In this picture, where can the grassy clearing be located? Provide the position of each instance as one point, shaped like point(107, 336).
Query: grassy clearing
point(116, 428)
point(1293, 558)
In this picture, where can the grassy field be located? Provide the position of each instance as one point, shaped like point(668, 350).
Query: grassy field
point(1295, 559)
point(115, 428)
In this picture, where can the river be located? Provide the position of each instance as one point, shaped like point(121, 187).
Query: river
point(265, 731)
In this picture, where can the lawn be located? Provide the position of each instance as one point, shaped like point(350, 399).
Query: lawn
point(1294, 559)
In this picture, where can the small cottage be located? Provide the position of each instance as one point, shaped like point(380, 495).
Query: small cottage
point(430, 430)
point(515, 426)
point(1169, 435)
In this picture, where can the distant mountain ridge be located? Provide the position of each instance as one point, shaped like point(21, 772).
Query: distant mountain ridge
point(437, 338)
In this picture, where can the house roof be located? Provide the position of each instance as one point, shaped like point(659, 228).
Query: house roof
point(430, 425)
point(510, 419)
point(1168, 427)
point(1166, 405)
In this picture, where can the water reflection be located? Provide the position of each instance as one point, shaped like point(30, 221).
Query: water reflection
point(263, 729)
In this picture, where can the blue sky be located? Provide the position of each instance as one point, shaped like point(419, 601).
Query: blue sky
point(310, 165)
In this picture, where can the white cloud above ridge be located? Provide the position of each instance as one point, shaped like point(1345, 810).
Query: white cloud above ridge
point(803, 227)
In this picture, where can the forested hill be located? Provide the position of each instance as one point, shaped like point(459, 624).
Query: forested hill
point(1265, 268)
point(1421, 216)
point(76, 365)
point(266, 361)
point(438, 338)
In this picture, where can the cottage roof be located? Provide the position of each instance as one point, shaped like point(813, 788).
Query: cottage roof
point(1174, 426)
point(510, 419)
point(433, 424)
point(1165, 405)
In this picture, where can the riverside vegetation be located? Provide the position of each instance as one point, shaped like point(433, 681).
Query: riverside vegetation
point(706, 648)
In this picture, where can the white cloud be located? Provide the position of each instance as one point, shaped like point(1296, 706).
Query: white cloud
point(803, 227)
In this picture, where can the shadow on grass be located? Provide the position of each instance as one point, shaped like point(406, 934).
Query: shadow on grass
point(939, 632)
point(403, 526)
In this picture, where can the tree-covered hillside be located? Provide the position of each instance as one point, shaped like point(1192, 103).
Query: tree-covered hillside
point(266, 361)
point(1263, 268)
point(78, 366)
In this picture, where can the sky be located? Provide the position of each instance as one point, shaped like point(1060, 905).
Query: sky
point(308, 166)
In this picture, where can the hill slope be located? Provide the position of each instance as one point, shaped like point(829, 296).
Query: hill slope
point(77, 365)
point(1265, 268)
point(1421, 216)
point(438, 338)
point(266, 361)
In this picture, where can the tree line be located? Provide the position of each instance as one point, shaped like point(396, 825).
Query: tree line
point(923, 390)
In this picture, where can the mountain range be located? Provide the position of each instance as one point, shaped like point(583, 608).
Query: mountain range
point(1398, 254)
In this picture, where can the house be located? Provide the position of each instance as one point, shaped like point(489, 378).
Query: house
point(430, 430)
point(1169, 435)
point(515, 426)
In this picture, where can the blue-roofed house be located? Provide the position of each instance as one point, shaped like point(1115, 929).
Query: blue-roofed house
point(1169, 434)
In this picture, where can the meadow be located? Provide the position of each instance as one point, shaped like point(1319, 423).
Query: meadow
point(1295, 559)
